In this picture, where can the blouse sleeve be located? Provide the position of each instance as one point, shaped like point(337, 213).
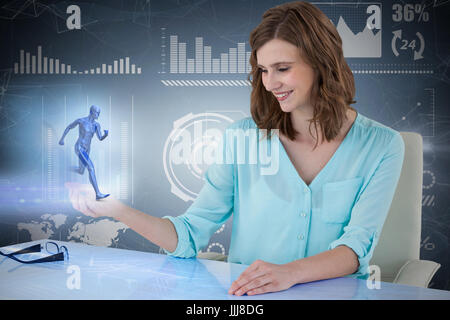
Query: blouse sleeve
point(212, 207)
point(371, 208)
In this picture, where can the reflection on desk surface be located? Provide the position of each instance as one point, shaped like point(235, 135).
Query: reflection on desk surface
point(108, 273)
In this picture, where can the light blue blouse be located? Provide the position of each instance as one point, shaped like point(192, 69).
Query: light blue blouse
point(277, 217)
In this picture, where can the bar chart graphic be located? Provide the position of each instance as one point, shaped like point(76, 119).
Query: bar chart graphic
point(39, 64)
point(235, 61)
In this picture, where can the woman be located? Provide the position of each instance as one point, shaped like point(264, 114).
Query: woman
point(320, 214)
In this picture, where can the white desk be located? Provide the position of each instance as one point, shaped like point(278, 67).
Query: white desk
point(107, 273)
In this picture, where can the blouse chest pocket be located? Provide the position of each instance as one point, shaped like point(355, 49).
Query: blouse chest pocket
point(338, 199)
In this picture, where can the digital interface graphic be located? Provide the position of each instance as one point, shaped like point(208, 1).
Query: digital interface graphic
point(163, 72)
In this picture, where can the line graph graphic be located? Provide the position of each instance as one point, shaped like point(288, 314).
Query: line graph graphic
point(359, 26)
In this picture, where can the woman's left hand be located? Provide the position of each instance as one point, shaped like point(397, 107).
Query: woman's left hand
point(261, 277)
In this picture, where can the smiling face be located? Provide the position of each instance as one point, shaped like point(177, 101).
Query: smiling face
point(286, 75)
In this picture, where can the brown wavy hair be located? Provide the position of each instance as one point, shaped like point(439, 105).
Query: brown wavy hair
point(309, 29)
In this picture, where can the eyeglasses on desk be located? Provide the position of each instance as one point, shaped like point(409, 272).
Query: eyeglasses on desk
point(57, 253)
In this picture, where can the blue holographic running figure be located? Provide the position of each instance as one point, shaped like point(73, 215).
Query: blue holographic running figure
point(87, 128)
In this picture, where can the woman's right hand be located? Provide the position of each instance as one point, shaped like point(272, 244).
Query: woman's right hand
point(82, 197)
